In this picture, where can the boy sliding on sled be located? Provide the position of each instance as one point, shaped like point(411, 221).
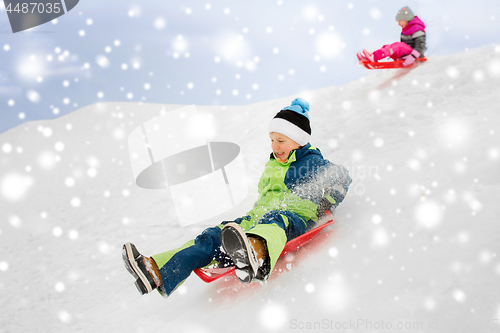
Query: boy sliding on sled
point(297, 188)
point(411, 46)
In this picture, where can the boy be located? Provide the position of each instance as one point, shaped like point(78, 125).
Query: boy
point(297, 187)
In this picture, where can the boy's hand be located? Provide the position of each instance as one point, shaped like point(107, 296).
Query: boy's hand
point(326, 206)
point(410, 58)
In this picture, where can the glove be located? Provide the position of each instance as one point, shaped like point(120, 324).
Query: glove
point(410, 58)
point(326, 206)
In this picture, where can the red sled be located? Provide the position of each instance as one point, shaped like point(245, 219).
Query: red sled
point(389, 64)
point(211, 274)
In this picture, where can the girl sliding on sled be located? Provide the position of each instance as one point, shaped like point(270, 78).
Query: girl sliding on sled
point(411, 46)
point(297, 188)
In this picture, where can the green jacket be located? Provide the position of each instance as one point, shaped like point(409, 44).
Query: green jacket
point(299, 184)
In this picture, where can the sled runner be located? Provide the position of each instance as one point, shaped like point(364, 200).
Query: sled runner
point(211, 274)
point(389, 64)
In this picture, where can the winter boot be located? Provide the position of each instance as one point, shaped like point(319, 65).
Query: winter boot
point(238, 246)
point(143, 269)
point(260, 247)
point(368, 55)
point(360, 56)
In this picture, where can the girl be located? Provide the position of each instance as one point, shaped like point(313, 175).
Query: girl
point(412, 45)
point(296, 189)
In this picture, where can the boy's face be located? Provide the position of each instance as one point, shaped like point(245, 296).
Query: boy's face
point(282, 146)
point(403, 24)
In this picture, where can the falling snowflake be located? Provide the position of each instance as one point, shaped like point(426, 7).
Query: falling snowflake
point(428, 214)
point(454, 132)
point(4, 266)
point(478, 75)
point(430, 304)
point(76, 202)
point(92, 172)
point(414, 164)
point(333, 252)
point(64, 316)
point(334, 294)
point(273, 316)
point(329, 44)
point(494, 153)
point(470, 199)
point(310, 288)
point(160, 23)
point(375, 13)
point(485, 257)
point(73, 235)
point(15, 221)
point(14, 186)
point(47, 132)
point(6, 148)
point(57, 231)
point(69, 182)
point(452, 72)
point(379, 142)
point(310, 13)
point(376, 219)
point(59, 287)
point(104, 247)
point(380, 237)
point(459, 296)
point(463, 237)
point(346, 105)
point(494, 68)
point(33, 96)
point(102, 61)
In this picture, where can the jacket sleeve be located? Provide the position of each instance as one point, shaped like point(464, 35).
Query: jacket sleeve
point(337, 182)
point(419, 40)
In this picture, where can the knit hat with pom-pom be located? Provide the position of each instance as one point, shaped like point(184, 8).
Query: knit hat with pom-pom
point(293, 121)
point(405, 14)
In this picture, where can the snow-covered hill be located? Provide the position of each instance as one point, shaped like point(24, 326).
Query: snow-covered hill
point(415, 247)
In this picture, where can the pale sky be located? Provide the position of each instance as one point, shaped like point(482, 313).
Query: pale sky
point(208, 53)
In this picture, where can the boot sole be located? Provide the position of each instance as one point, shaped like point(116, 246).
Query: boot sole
point(134, 264)
point(237, 247)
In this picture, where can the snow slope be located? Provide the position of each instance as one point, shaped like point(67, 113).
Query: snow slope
point(414, 248)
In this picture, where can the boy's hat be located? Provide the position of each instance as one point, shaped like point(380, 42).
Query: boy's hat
point(405, 14)
point(293, 121)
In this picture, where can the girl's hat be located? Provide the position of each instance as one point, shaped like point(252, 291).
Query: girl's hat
point(405, 14)
point(293, 121)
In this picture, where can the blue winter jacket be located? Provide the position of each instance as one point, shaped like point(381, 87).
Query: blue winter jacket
point(299, 184)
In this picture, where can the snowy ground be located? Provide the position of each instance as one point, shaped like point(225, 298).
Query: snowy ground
point(414, 248)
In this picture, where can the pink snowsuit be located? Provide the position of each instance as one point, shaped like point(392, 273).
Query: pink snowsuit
point(412, 37)
point(394, 50)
